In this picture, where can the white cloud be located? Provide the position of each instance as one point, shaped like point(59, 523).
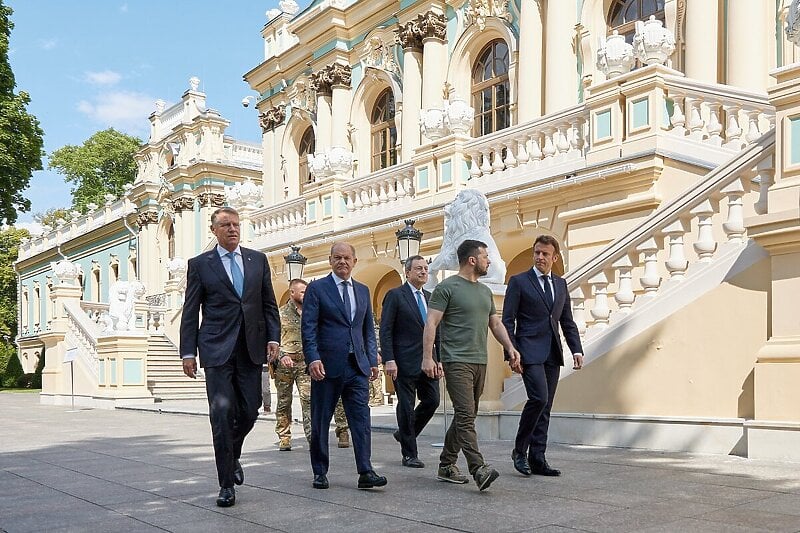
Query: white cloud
point(48, 44)
point(126, 111)
point(105, 77)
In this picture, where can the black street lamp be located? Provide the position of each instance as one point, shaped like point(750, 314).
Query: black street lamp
point(295, 263)
point(408, 240)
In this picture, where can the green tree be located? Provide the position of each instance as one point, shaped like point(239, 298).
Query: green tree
point(51, 216)
point(20, 134)
point(9, 245)
point(103, 164)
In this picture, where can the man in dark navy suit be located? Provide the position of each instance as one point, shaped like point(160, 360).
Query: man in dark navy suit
point(536, 303)
point(338, 334)
point(239, 332)
point(403, 316)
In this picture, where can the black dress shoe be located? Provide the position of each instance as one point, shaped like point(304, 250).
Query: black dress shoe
point(370, 480)
point(238, 473)
point(320, 482)
point(521, 463)
point(540, 467)
point(227, 497)
point(413, 462)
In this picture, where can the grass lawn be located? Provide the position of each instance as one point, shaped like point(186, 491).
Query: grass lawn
point(4, 389)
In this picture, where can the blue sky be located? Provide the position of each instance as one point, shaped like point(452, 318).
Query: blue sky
point(93, 64)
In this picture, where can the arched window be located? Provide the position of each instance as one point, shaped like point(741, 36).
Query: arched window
point(307, 146)
point(490, 89)
point(171, 240)
point(95, 278)
point(623, 14)
point(384, 132)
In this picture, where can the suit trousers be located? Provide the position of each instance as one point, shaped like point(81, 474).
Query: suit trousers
point(353, 389)
point(234, 398)
point(410, 420)
point(464, 382)
point(540, 382)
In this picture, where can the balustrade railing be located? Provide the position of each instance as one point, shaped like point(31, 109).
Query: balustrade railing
point(82, 333)
point(172, 117)
point(245, 153)
point(379, 189)
point(635, 267)
point(280, 217)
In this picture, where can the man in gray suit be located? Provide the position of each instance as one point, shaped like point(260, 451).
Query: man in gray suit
point(240, 331)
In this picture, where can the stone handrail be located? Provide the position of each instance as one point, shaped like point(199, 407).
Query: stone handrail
point(275, 218)
point(82, 333)
point(630, 265)
point(379, 188)
point(244, 152)
point(718, 115)
point(540, 142)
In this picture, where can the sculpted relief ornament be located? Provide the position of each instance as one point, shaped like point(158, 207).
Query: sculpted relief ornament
point(793, 23)
point(302, 98)
point(272, 118)
point(477, 11)
point(325, 79)
point(378, 54)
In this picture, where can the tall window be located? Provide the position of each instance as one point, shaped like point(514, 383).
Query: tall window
point(307, 146)
point(490, 89)
point(623, 14)
point(384, 132)
point(171, 240)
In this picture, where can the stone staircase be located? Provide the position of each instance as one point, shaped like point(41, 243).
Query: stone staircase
point(165, 377)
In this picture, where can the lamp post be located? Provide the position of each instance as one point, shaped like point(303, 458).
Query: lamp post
point(295, 263)
point(408, 240)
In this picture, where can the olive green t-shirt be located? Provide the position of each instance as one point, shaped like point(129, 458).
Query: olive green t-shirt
point(467, 307)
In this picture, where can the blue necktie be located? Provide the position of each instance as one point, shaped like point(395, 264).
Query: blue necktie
point(346, 299)
point(236, 274)
point(548, 293)
point(422, 310)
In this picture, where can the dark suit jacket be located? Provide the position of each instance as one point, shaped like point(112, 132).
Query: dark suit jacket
point(401, 330)
point(531, 324)
point(327, 331)
point(208, 288)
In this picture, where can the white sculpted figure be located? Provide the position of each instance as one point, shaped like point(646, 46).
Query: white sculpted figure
point(467, 217)
point(122, 298)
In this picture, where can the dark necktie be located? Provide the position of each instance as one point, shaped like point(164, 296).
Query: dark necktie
point(421, 306)
point(548, 293)
point(346, 299)
point(236, 274)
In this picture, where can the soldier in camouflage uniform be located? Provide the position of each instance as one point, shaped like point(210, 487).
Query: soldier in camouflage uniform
point(290, 369)
point(376, 386)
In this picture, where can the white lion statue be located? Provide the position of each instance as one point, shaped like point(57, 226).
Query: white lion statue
point(121, 315)
point(467, 217)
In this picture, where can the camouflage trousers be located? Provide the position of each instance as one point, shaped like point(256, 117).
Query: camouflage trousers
point(376, 389)
point(285, 380)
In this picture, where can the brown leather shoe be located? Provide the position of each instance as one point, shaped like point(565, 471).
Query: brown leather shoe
point(344, 440)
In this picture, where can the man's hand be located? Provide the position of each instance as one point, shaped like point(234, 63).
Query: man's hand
point(390, 367)
point(273, 350)
point(577, 361)
point(431, 369)
point(515, 361)
point(316, 371)
point(375, 373)
point(287, 361)
point(190, 366)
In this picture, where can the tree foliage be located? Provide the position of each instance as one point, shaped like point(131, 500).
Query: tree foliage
point(20, 134)
point(52, 216)
point(9, 245)
point(103, 164)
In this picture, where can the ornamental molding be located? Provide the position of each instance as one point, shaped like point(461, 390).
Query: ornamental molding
point(147, 217)
point(211, 199)
point(477, 11)
point(302, 97)
point(335, 75)
point(793, 22)
point(184, 203)
point(272, 118)
point(409, 35)
point(433, 26)
point(380, 53)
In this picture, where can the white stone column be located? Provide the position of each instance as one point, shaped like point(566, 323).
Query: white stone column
point(750, 28)
point(340, 104)
point(412, 101)
point(702, 46)
point(529, 72)
point(434, 59)
point(561, 75)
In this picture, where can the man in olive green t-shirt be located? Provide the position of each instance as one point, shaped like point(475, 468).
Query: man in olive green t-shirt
point(463, 309)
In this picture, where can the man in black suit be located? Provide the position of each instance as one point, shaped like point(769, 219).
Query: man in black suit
point(239, 332)
point(405, 310)
point(536, 302)
point(338, 334)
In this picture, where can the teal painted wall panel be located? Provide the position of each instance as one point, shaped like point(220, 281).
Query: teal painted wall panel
point(132, 372)
point(447, 171)
point(794, 140)
point(641, 112)
point(422, 178)
point(602, 124)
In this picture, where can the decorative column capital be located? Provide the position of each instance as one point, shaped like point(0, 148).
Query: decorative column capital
point(184, 203)
point(272, 118)
point(211, 199)
point(335, 75)
point(409, 35)
point(432, 26)
point(147, 217)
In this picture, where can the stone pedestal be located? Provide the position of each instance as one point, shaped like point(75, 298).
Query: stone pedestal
point(122, 369)
point(497, 369)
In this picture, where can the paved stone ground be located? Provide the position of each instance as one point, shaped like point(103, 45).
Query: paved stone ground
point(131, 471)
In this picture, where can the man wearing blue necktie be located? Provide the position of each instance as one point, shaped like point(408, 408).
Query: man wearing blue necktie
point(535, 305)
point(403, 316)
point(240, 331)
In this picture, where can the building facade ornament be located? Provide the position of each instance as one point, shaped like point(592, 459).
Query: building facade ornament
point(793, 22)
point(302, 97)
point(184, 203)
point(147, 217)
point(245, 194)
point(614, 56)
point(378, 54)
point(653, 43)
point(122, 297)
point(336, 161)
point(432, 26)
point(289, 7)
point(409, 35)
point(66, 272)
point(455, 116)
point(272, 118)
point(335, 75)
point(211, 199)
point(477, 11)
point(176, 267)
